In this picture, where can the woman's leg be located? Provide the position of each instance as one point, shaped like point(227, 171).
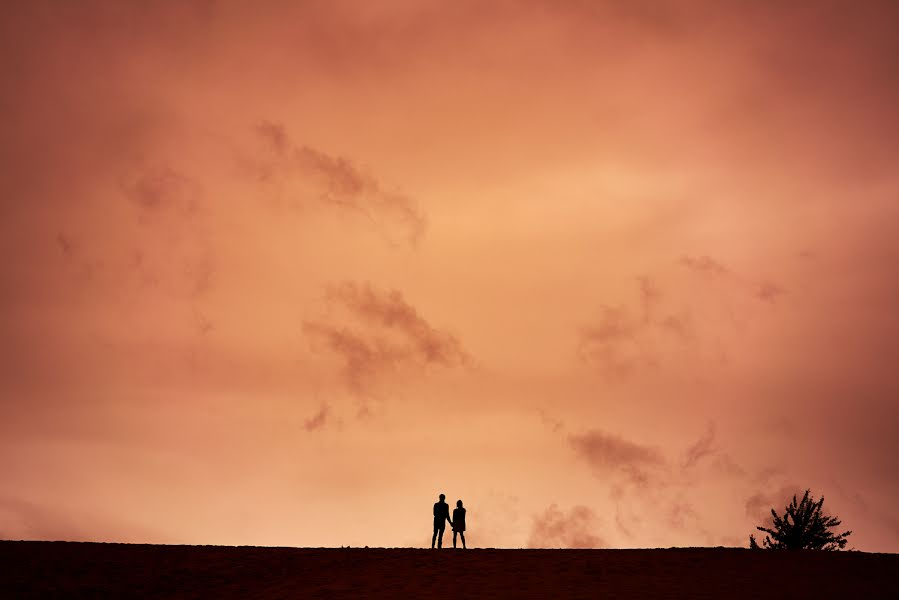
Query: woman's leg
point(454, 539)
point(461, 535)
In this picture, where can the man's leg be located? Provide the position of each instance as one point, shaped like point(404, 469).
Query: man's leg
point(440, 538)
point(461, 535)
point(434, 537)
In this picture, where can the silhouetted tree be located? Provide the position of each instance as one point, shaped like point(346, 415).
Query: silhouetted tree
point(802, 527)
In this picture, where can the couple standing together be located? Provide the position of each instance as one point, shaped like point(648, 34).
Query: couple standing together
point(441, 516)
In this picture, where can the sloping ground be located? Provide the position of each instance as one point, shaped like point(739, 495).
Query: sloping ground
point(66, 569)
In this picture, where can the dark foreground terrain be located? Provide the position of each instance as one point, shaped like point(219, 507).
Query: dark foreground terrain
point(68, 569)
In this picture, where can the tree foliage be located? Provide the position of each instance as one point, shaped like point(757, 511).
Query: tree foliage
point(803, 526)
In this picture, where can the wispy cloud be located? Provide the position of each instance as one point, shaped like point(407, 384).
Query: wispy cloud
point(65, 244)
point(339, 180)
point(703, 447)
point(364, 358)
point(650, 295)
point(680, 514)
point(612, 343)
point(649, 490)
point(555, 528)
point(173, 249)
point(769, 292)
point(319, 419)
point(553, 424)
point(674, 326)
point(381, 333)
point(704, 264)
point(611, 454)
point(759, 505)
point(162, 187)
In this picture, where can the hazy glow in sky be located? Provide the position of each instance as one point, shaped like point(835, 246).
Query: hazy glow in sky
point(615, 273)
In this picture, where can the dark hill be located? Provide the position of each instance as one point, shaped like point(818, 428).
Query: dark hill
point(67, 569)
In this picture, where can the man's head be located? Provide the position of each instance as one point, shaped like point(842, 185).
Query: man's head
point(442, 497)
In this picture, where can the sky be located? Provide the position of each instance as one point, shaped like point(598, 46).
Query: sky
point(613, 273)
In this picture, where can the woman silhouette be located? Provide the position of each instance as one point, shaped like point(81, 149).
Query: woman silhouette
point(459, 523)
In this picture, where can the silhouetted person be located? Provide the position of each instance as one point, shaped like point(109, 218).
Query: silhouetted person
point(458, 523)
point(441, 516)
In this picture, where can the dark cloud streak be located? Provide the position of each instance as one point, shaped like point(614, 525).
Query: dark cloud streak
point(341, 182)
point(382, 333)
point(703, 447)
point(609, 453)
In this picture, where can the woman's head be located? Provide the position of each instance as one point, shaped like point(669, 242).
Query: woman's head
point(459, 503)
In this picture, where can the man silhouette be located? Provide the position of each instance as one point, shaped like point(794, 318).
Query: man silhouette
point(441, 516)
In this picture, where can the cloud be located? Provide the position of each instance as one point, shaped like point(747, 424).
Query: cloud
point(704, 264)
point(656, 498)
point(624, 340)
point(555, 425)
point(614, 325)
point(555, 528)
point(620, 524)
point(608, 453)
point(769, 292)
point(65, 244)
point(389, 310)
point(81, 268)
point(702, 448)
point(339, 181)
point(319, 419)
point(706, 449)
point(344, 183)
point(759, 505)
point(363, 358)
point(174, 250)
point(200, 273)
point(649, 296)
point(681, 326)
point(162, 188)
point(680, 513)
point(202, 322)
point(613, 343)
point(382, 333)
point(275, 135)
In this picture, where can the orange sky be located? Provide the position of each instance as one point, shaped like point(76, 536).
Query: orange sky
point(614, 273)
